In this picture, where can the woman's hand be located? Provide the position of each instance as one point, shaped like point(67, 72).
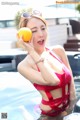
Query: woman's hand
point(71, 106)
point(27, 45)
point(72, 103)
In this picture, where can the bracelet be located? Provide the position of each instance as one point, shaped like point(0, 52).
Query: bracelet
point(40, 60)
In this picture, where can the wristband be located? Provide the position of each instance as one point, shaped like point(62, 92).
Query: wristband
point(40, 60)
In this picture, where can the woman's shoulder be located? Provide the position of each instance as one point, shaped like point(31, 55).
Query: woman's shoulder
point(58, 50)
point(26, 61)
point(57, 47)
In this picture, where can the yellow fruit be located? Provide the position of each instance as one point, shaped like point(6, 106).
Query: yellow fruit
point(25, 33)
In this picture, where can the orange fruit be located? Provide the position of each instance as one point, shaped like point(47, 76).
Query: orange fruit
point(25, 33)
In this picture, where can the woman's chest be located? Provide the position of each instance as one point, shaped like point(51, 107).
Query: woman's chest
point(54, 63)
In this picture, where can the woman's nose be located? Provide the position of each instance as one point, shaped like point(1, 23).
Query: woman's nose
point(40, 33)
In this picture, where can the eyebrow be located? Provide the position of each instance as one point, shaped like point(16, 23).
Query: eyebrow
point(33, 28)
point(36, 27)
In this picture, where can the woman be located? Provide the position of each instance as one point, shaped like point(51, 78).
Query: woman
point(47, 69)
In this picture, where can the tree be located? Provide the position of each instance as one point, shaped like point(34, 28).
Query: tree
point(18, 15)
point(78, 8)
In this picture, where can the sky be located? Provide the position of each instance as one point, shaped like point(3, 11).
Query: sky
point(8, 8)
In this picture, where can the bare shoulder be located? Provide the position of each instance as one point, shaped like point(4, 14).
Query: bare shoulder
point(59, 50)
point(26, 62)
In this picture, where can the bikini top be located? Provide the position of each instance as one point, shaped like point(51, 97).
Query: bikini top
point(65, 79)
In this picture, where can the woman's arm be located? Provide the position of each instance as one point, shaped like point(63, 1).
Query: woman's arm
point(46, 75)
point(59, 50)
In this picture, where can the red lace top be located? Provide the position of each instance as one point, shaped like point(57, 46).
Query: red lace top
point(65, 79)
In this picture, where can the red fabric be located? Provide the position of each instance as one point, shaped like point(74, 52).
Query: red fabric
point(65, 79)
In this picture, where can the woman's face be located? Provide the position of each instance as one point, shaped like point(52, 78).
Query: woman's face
point(39, 33)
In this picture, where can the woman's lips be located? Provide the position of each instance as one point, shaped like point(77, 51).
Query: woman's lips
point(41, 42)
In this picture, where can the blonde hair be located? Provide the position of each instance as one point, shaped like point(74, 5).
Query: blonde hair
point(24, 20)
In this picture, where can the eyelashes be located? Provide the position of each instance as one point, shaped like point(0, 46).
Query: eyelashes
point(34, 31)
point(42, 29)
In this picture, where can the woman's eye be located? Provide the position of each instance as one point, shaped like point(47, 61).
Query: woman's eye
point(43, 28)
point(34, 31)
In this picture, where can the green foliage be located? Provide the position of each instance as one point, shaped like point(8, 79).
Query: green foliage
point(78, 8)
point(18, 16)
